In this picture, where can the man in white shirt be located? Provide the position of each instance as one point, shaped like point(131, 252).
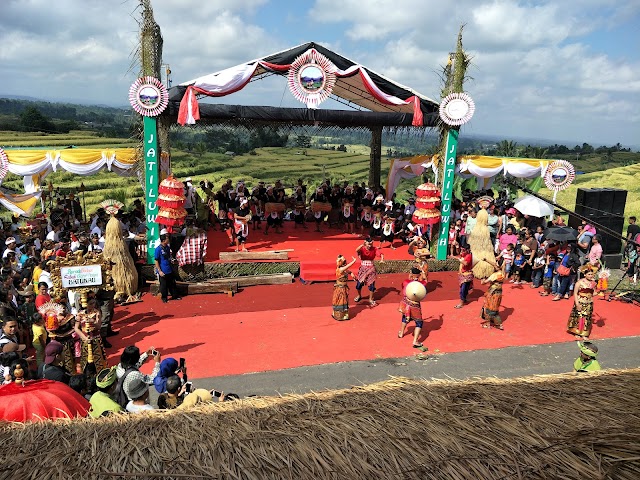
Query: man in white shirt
point(189, 196)
point(99, 228)
point(54, 234)
point(11, 247)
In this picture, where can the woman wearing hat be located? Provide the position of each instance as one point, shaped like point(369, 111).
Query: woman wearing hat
point(580, 318)
point(340, 299)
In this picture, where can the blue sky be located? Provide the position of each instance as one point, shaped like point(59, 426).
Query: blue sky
point(567, 71)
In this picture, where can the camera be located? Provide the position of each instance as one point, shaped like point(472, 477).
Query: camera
point(188, 386)
point(154, 352)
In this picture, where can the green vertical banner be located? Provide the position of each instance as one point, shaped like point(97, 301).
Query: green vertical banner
point(151, 157)
point(447, 192)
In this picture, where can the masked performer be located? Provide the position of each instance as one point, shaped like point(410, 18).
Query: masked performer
point(340, 300)
point(411, 309)
point(490, 311)
point(580, 319)
point(367, 272)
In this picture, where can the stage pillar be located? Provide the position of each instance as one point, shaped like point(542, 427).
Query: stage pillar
point(447, 192)
point(375, 157)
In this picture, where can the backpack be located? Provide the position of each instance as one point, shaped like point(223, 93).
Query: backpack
point(120, 396)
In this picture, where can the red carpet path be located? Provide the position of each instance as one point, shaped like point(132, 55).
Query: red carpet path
point(282, 326)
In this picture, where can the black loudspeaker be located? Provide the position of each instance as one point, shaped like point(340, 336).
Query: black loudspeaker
point(596, 202)
point(619, 201)
point(613, 261)
point(610, 244)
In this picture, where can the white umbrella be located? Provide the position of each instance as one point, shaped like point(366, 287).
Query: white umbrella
point(533, 206)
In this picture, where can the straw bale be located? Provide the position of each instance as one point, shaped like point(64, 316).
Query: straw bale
point(555, 426)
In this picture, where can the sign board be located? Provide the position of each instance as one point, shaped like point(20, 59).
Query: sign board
point(82, 276)
point(447, 192)
point(151, 170)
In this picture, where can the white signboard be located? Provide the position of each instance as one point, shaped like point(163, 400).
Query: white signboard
point(84, 276)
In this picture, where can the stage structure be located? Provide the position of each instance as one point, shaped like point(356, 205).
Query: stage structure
point(313, 74)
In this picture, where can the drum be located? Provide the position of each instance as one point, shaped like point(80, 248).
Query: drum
point(274, 207)
point(321, 207)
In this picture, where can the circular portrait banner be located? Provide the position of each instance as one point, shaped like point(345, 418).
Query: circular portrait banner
point(457, 109)
point(148, 96)
point(311, 78)
point(559, 175)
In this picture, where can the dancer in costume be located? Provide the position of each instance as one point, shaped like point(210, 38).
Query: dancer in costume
point(241, 219)
point(299, 209)
point(274, 218)
point(348, 212)
point(422, 255)
point(587, 362)
point(465, 274)
point(388, 230)
point(87, 327)
point(340, 299)
point(411, 310)
point(490, 313)
point(366, 213)
point(367, 272)
point(319, 215)
point(580, 318)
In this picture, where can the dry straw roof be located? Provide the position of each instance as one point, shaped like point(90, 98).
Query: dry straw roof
point(562, 426)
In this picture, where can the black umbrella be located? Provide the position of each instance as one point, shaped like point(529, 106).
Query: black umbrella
point(561, 234)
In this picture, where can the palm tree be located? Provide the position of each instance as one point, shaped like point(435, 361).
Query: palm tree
point(507, 148)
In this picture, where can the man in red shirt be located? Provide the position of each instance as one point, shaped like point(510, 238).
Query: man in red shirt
point(465, 274)
point(412, 310)
point(43, 294)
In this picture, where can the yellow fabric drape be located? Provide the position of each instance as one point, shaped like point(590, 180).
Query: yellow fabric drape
point(78, 156)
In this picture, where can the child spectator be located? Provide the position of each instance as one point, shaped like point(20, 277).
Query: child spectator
point(506, 257)
point(537, 269)
point(39, 340)
point(518, 265)
point(548, 275)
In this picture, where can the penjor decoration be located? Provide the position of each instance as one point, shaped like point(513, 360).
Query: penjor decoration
point(427, 205)
point(171, 201)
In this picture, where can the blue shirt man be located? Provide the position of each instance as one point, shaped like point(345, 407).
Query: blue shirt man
point(163, 256)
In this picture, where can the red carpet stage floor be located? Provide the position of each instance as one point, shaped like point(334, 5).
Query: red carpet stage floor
point(307, 245)
point(275, 327)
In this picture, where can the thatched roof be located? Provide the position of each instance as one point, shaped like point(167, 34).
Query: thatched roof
point(557, 426)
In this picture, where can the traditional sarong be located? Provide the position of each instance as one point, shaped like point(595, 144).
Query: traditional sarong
point(410, 309)
point(340, 301)
point(366, 273)
point(580, 318)
point(97, 350)
point(492, 301)
point(465, 277)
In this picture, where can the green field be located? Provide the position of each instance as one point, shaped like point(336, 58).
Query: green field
point(276, 163)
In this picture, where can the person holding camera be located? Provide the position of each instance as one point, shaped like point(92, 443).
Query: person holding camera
point(130, 361)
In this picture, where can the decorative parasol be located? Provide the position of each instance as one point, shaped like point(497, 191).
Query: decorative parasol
point(39, 400)
point(427, 203)
point(171, 186)
point(171, 216)
point(533, 206)
point(561, 234)
point(170, 200)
